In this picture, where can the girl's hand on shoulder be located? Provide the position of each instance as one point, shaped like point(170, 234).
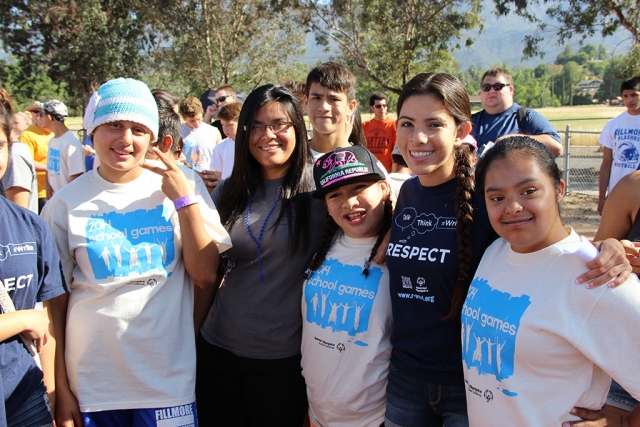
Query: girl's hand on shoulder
point(174, 182)
point(632, 251)
point(607, 416)
point(610, 267)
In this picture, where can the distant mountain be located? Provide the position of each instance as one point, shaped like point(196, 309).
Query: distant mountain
point(501, 41)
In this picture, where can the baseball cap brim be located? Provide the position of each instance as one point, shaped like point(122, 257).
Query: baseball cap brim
point(320, 193)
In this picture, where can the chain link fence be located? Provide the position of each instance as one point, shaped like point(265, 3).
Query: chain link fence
point(581, 160)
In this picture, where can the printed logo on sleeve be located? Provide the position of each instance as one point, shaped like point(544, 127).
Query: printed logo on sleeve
point(137, 242)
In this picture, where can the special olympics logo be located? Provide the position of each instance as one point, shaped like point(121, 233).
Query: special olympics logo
point(340, 347)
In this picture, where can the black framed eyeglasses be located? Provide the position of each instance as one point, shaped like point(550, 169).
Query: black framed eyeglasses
point(259, 128)
point(496, 86)
point(380, 106)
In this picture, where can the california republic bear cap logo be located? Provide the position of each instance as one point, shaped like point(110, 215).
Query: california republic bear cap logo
point(344, 166)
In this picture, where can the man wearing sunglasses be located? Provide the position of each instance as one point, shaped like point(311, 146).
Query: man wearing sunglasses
point(502, 117)
point(224, 95)
point(380, 131)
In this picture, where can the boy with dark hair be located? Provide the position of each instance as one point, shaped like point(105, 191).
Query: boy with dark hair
point(224, 153)
point(65, 157)
point(199, 138)
point(621, 141)
point(169, 138)
point(129, 234)
point(330, 101)
point(380, 131)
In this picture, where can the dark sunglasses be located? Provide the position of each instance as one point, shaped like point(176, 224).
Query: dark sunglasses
point(222, 98)
point(380, 106)
point(496, 86)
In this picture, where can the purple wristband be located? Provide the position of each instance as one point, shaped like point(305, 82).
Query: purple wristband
point(183, 201)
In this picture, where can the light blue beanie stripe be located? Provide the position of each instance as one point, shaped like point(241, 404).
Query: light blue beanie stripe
point(122, 99)
point(117, 109)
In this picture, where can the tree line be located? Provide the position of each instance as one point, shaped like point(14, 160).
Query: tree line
point(67, 48)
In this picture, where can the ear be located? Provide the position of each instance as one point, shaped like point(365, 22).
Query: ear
point(352, 106)
point(463, 130)
point(511, 89)
point(371, 108)
point(386, 189)
point(560, 190)
point(165, 144)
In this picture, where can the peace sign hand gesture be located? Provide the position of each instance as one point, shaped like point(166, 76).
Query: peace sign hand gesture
point(174, 181)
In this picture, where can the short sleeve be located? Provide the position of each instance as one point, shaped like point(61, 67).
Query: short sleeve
point(537, 124)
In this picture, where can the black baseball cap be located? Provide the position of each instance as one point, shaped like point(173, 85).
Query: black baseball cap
point(344, 166)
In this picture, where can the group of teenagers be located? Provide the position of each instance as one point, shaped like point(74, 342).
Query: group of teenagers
point(317, 295)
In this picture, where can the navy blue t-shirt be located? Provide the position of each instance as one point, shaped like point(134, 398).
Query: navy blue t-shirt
point(489, 127)
point(30, 272)
point(422, 258)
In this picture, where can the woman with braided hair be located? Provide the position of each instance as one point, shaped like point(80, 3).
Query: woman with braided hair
point(346, 309)
point(439, 232)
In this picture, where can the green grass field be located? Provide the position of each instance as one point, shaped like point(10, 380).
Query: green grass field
point(583, 117)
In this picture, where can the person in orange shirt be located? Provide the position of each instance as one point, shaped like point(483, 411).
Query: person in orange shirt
point(380, 131)
point(37, 139)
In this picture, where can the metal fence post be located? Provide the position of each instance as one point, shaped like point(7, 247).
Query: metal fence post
point(567, 153)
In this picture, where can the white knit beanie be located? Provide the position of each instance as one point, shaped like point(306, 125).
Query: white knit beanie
point(122, 99)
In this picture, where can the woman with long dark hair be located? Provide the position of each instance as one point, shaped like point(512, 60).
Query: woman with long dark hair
point(249, 354)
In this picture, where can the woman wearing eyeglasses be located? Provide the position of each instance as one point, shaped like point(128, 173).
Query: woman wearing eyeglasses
point(249, 352)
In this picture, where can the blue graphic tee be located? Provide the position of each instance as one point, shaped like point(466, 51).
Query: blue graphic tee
point(30, 273)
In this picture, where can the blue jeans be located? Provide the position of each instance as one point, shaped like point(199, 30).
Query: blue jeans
point(412, 402)
point(620, 398)
point(34, 412)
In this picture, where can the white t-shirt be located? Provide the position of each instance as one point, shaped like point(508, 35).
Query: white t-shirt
point(199, 144)
point(130, 340)
point(535, 344)
point(345, 337)
point(223, 155)
point(622, 135)
point(64, 159)
point(21, 173)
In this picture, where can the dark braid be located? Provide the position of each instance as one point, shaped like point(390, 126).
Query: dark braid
point(386, 224)
point(325, 244)
point(464, 228)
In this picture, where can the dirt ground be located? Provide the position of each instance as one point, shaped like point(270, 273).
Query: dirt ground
point(580, 212)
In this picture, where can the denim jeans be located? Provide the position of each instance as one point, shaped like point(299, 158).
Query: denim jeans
point(620, 398)
point(35, 412)
point(412, 402)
